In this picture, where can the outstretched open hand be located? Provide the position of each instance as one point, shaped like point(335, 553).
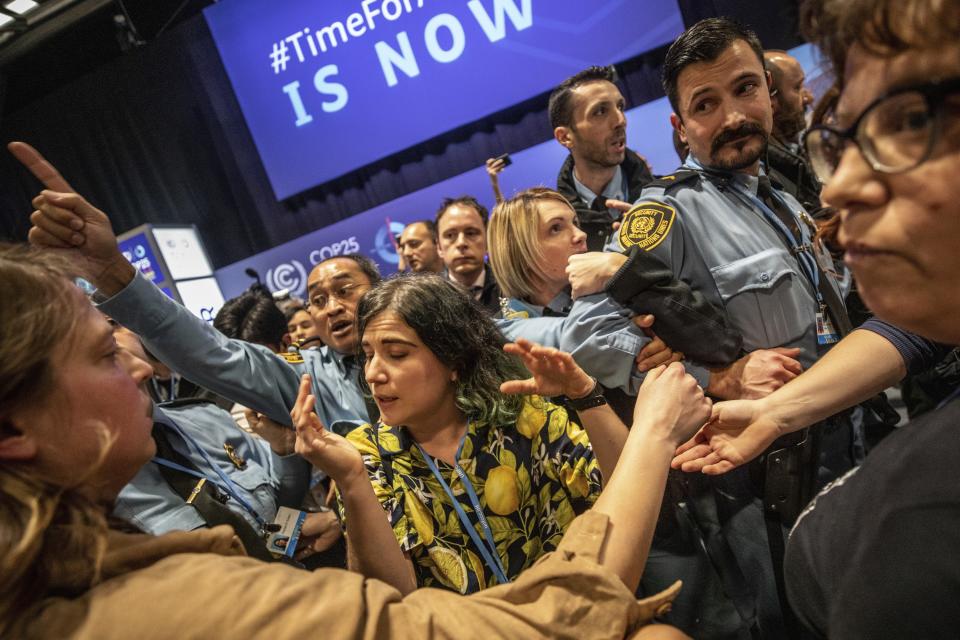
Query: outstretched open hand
point(554, 372)
point(738, 432)
point(330, 452)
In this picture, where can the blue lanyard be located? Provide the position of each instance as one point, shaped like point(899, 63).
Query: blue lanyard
point(803, 252)
point(226, 484)
point(489, 553)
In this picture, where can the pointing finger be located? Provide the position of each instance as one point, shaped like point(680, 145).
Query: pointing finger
point(39, 167)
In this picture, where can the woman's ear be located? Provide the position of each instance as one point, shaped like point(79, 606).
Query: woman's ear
point(15, 444)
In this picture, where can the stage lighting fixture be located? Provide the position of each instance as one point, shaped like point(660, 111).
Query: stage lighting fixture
point(21, 6)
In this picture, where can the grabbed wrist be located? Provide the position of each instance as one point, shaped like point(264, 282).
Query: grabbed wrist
point(722, 384)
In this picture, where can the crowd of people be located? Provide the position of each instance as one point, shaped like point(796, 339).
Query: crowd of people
point(632, 386)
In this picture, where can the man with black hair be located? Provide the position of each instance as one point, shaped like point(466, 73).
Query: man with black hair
point(253, 316)
point(419, 249)
point(195, 436)
point(587, 117)
point(721, 227)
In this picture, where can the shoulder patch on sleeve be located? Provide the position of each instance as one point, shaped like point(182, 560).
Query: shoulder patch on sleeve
point(291, 357)
point(646, 225)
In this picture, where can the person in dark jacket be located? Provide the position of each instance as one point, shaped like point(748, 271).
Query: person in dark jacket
point(587, 116)
point(462, 235)
point(786, 161)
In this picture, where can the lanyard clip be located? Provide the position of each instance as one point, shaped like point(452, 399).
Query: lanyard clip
point(197, 488)
point(806, 246)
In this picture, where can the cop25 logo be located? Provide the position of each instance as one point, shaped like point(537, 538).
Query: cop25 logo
point(385, 242)
point(288, 275)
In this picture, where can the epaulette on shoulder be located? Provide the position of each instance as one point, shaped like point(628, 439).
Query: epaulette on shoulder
point(672, 180)
point(292, 357)
point(184, 402)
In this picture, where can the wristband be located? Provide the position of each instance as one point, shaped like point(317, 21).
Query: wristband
point(593, 399)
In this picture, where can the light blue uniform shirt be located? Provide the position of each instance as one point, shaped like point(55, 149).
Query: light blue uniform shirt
point(719, 242)
point(596, 331)
point(267, 482)
point(246, 373)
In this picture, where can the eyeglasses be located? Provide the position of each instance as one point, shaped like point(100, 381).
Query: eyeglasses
point(897, 132)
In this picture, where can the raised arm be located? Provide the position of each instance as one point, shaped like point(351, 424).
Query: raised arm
point(670, 406)
point(64, 221)
point(861, 365)
point(555, 373)
point(373, 549)
point(494, 167)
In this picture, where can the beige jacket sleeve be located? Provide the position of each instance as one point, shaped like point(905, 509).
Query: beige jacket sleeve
point(565, 595)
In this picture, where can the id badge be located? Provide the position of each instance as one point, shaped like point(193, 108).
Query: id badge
point(283, 542)
point(826, 332)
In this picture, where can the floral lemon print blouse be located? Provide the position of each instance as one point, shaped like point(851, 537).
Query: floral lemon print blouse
point(532, 478)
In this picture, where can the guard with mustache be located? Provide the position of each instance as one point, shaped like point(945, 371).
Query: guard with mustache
point(748, 247)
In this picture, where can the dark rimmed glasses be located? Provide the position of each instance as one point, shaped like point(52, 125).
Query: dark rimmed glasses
point(897, 132)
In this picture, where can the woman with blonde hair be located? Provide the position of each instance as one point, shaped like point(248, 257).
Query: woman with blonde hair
point(531, 236)
point(539, 255)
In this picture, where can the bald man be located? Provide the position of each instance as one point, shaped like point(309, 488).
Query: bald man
point(786, 162)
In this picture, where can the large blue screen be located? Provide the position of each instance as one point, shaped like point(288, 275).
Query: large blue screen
point(329, 86)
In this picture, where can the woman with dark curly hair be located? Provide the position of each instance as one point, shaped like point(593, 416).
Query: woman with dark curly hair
point(477, 483)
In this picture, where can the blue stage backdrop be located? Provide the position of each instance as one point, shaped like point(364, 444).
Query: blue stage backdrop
point(287, 266)
point(328, 87)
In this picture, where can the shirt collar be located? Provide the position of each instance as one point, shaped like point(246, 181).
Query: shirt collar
point(479, 282)
point(744, 180)
point(614, 188)
point(560, 305)
point(406, 442)
point(339, 359)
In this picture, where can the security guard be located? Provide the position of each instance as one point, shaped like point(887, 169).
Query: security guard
point(717, 233)
point(724, 229)
point(251, 374)
point(199, 443)
point(206, 471)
